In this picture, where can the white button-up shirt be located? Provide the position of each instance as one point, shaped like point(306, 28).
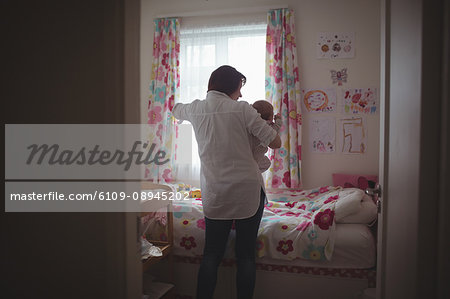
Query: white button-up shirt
point(230, 179)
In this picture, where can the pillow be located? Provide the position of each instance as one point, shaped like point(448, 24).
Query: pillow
point(365, 215)
point(348, 203)
point(353, 180)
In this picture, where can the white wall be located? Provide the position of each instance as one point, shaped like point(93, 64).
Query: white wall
point(311, 16)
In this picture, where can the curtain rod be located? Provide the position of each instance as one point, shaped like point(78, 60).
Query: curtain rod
point(231, 11)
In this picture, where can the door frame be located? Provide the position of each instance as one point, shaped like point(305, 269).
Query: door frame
point(132, 24)
point(384, 141)
point(440, 166)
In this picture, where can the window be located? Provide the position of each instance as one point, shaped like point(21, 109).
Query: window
point(202, 50)
point(205, 49)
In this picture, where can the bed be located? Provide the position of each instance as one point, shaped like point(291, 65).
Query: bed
point(322, 235)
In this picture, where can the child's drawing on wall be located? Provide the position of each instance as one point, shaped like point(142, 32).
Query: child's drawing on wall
point(360, 100)
point(353, 135)
point(339, 77)
point(322, 135)
point(335, 45)
point(319, 99)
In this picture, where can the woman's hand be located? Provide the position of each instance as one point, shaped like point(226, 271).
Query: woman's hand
point(277, 116)
point(277, 119)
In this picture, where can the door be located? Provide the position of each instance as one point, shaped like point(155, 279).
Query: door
point(413, 153)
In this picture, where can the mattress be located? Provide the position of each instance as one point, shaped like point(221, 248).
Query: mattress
point(354, 248)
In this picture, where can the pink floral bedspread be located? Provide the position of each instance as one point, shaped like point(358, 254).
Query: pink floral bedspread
point(295, 224)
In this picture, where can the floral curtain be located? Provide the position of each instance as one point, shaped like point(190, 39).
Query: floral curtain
point(164, 90)
point(283, 91)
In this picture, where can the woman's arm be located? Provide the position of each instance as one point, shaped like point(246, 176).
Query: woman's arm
point(276, 143)
point(181, 111)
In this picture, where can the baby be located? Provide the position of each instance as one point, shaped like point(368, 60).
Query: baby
point(265, 109)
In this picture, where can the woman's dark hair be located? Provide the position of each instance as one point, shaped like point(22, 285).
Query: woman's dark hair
point(226, 79)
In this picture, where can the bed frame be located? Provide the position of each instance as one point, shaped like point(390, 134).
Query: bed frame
point(277, 281)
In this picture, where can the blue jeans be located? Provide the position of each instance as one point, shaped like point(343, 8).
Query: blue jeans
point(216, 237)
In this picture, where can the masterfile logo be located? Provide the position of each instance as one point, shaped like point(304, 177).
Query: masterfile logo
point(54, 155)
point(80, 152)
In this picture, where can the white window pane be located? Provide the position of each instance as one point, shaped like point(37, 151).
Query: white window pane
point(247, 54)
point(200, 55)
point(208, 55)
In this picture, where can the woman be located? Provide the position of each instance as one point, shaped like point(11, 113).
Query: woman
point(231, 183)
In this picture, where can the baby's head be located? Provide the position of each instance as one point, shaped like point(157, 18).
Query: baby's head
point(265, 109)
